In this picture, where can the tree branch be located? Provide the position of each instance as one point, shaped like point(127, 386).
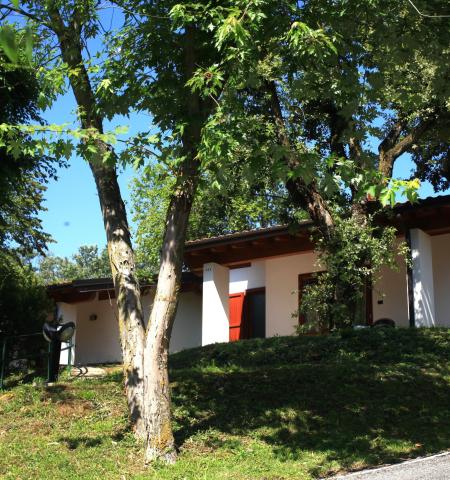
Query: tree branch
point(26, 14)
point(304, 195)
point(392, 146)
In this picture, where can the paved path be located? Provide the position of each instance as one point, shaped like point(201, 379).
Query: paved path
point(436, 467)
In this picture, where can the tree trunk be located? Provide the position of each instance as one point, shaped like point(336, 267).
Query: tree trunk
point(309, 199)
point(128, 295)
point(160, 441)
point(121, 254)
point(304, 195)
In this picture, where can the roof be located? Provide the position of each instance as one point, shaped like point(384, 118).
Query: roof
point(430, 214)
point(247, 234)
point(84, 290)
point(273, 230)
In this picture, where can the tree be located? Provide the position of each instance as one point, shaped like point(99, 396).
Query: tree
point(369, 73)
point(86, 263)
point(180, 114)
point(70, 25)
point(22, 177)
point(23, 302)
point(242, 205)
point(151, 42)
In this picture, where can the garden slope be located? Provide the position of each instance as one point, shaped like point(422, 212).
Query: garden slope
point(280, 408)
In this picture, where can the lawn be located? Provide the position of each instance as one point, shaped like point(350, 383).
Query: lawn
point(281, 408)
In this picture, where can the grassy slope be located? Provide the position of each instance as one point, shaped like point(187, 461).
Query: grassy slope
point(261, 409)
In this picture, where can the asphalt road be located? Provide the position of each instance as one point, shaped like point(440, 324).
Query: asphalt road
point(436, 467)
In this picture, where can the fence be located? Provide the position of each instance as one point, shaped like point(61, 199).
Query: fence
point(10, 353)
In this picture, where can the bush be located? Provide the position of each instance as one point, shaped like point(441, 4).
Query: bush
point(24, 304)
point(352, 260)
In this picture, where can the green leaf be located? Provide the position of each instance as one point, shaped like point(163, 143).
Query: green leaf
point(28, 44)
point(372, 192)
point(8, 43)
point(121, 130)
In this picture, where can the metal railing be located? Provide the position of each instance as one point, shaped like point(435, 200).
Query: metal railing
point(5, 361)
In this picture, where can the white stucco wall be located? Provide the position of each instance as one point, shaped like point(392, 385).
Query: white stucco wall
point(423, 282)
point(391, 291)
point(215, 304)
point(242, 279)
point(187, 329)
point(69, 314)
point(282, 290)
point(147, 302)
point(97, 341)
point(441, 274)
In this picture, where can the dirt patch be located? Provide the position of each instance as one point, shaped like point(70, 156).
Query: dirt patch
point(73, 408)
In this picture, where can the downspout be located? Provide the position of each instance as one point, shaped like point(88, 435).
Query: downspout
point(410, 281)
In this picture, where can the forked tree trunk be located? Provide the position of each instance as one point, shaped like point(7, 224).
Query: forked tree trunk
point(160, 442)
point(121, 255)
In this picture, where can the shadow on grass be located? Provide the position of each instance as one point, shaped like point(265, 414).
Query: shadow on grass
point(23, 377)
point(391, 403)
point(373, 345)
point(73, 443)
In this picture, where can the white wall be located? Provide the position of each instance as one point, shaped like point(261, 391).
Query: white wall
point(423, 282)
point(97, 341)
point(147, 302)
point(69, 314)
point(242, 279)
point(187, 329)
point(441, 274)
point(392, 291)
point(282, 290)
point(215, 304)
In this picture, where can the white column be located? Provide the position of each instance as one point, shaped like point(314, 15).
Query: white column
point(215, 311)
point(422, 276)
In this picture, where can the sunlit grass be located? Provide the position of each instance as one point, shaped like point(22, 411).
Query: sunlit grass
point(280, 408)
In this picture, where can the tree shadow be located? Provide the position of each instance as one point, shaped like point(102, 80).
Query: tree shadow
point(73, 443)
point(58, 393)
point(353, 413)
point(76, 441)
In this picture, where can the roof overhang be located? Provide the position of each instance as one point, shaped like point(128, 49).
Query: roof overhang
point(103, 288)
point(431, 215)
point(234, 249)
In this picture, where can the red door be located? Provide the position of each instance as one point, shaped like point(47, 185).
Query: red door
point(237, 316)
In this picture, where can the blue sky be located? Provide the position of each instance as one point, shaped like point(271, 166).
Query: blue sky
point(73, 215)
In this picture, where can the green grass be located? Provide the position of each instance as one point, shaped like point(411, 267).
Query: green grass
point(281, 408)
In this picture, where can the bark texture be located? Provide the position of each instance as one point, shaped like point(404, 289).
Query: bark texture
point(121, 255)
point(160, 441)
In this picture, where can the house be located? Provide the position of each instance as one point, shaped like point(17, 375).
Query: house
point(249, 284)
point(91, 305)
